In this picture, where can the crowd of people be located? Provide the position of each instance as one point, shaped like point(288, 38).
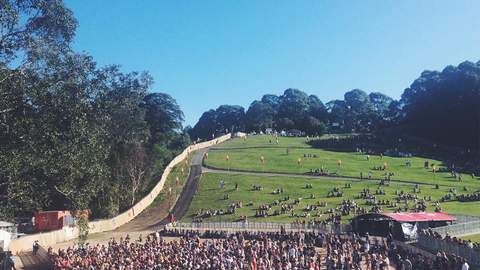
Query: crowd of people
point(190, 251)
point(367, 200)
point(184, 249)
point(469, 197)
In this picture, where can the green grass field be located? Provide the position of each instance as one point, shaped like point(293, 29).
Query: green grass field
point(474, 238)
point(211, 196)
point(264, 141)
point(171, 182)
point(246, 154)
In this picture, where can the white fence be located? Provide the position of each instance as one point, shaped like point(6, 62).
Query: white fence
point(459, 229)
point(465, 219)
point(260, 226)
point(433, 244)
point(465, 225)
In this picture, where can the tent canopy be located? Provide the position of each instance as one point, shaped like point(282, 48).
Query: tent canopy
point(382, 224)
point(420, 217)
point(407, 217)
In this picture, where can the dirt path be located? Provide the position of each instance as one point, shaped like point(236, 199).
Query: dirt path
point(154, 217)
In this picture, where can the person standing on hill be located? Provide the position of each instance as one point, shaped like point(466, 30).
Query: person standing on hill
point(36, 247)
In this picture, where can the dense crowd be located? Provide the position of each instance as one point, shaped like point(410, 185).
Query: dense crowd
point(469, 197)
point(223, 251)
point(249, 250)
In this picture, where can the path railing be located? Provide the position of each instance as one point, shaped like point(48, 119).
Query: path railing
point(465, 219)
point(434, 244)
point(260, 226)
point(459, 229)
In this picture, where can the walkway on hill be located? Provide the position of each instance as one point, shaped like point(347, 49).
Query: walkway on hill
point(155, 216)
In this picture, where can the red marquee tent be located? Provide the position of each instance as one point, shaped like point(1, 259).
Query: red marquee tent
point(420, 217)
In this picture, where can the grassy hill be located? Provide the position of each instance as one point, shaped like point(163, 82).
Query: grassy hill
point(244, 154)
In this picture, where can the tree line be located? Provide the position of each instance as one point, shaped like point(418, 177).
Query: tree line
point(74, 135)
point(443, 107)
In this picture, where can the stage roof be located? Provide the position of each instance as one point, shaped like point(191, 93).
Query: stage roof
point(420, 216)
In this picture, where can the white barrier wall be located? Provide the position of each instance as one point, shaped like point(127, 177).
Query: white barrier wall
point(51, 238)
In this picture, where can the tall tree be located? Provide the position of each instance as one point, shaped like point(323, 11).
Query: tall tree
point(294, 105)
point(444, 106)
point(225, 117)
point(30, 27)
point(72, 135)
point(380, 103)
point(163, 115)
point(260, 115)
point(317, 109)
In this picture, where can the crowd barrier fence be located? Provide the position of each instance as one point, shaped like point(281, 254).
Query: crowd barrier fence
point(260, 226)
point(459, 229)
point(434, 244)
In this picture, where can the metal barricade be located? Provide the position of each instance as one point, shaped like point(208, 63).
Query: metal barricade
point(261, 226)
point(434, 244)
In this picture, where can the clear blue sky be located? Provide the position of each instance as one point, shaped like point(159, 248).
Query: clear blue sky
point(208, 53)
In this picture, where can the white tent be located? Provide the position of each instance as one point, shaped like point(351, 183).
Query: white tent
point(239, 135)
point(5, 238)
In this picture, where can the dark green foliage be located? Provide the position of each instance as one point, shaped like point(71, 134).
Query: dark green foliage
point(28, 28)
point(292, 110)
point(380, 103)
point(163, 115)
point(224, 118)
point(259, 116)
point(293, 105)
point(72, 135)
point(445, 106)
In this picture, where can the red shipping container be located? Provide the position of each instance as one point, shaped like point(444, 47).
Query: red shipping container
point(51, 220)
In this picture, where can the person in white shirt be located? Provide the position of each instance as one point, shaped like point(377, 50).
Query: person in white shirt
point(465, 265)
point(470, 244)
point(366, 247)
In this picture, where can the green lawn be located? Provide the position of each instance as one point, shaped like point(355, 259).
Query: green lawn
point(473, 238)
point(264, 141)
point(211, 196)
point(245, 155)
point(171, 182)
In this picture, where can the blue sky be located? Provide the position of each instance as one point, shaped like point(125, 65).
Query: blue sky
point(208, 53)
